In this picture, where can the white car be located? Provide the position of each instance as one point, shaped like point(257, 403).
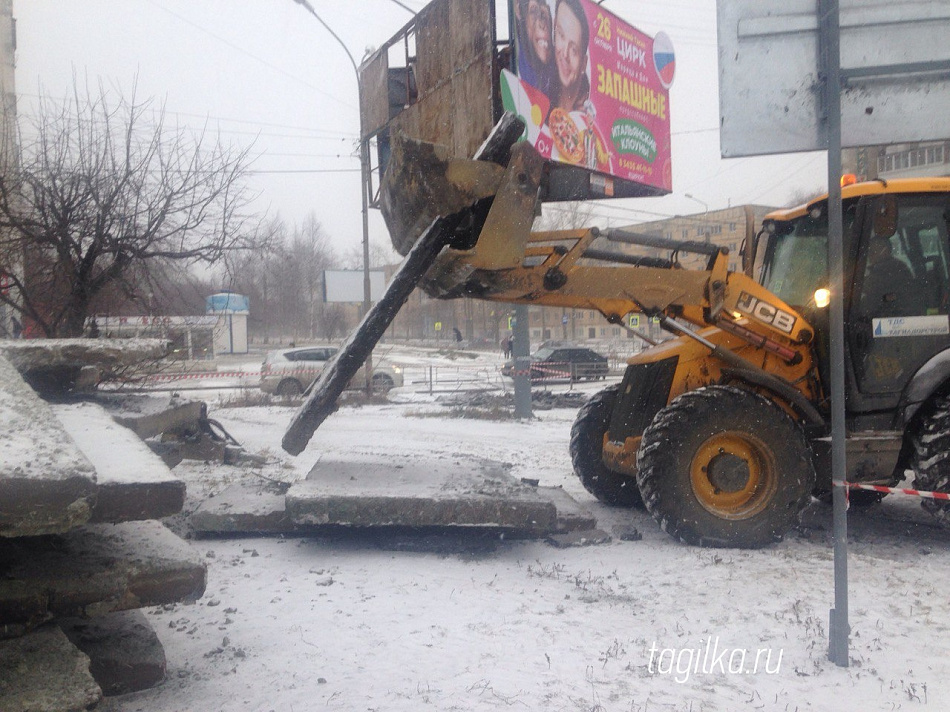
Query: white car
point(289, 372)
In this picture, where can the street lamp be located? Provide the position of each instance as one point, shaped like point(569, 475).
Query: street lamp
point(364, 169)
point(364, 178)
point(705, 212)
point(364, 159)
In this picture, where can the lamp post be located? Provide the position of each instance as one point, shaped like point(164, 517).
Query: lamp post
point(705, 213)
point(365, 170)
point(364, 157)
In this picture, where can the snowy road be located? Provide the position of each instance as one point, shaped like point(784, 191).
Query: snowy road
point(355, 623)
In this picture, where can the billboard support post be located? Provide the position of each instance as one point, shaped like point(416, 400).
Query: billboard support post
point(830, 51)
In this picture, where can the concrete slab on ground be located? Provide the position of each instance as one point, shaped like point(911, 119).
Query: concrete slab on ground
point(44, 671)
point(420, 493)
point(47, 485)
point(243, 509)
point(125, 653)
point(258, 509)
point(133, 482)
point(94, 570)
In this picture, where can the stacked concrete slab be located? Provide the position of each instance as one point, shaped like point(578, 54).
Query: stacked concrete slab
point(80, 544)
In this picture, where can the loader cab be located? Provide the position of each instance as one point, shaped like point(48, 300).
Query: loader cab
point(896, 261)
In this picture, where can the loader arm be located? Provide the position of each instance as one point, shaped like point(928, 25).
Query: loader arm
point(498, 258)
point(466, 227)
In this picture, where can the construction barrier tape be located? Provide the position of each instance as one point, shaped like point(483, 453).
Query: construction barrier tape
point(553, 369)
point(894, 490)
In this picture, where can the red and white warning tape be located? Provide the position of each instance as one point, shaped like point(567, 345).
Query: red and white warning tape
point(313, 372)
point(196, 376)
point(550, 369)
point(894, 490)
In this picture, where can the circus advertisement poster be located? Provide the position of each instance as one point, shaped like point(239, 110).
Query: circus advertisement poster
point(592, 90)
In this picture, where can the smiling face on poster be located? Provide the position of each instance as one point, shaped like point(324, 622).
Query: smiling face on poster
point(592, 89)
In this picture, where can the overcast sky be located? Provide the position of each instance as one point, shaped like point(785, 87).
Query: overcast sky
point(265, 71)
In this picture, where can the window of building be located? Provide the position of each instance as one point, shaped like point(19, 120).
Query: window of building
point(592, 333)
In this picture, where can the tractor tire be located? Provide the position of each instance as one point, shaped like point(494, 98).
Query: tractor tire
point(587, 446)
point(722, 466)
point(931, 457)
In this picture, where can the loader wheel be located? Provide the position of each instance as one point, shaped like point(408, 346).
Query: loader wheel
point(721, 466)
point(931, 457)
point(587, 445)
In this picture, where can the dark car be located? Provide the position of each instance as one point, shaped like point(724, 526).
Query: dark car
point(575, 363)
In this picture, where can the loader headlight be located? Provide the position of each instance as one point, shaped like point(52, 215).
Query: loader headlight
point(822, 297)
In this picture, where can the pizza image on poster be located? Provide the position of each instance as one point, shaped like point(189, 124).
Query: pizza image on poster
point(592, 89)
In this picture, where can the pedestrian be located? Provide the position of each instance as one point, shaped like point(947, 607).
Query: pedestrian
point(458, 334)
point(506, 346)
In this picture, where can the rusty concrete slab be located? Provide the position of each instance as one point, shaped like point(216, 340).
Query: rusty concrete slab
point(46, 484)
point(133, 482)
point(94, 570)
point(426, 493)
point(44, 671)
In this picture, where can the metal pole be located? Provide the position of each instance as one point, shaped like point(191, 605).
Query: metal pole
point(522, 361)
point(839, 629)
point(364, 182)
point(364, 189)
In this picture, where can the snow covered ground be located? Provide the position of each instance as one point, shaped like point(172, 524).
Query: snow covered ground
point(459, 623)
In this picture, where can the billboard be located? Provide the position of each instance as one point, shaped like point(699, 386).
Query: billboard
point(895, 74)
point(346, 285)
point(592, 90)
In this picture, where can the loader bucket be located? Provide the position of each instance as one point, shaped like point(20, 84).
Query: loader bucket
point(424, 194)
point(424, 181)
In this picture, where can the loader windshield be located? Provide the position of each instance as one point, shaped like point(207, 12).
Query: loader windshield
point(796, 256)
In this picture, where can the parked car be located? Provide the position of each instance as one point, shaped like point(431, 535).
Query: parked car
point(563, 362)
point(288, 372)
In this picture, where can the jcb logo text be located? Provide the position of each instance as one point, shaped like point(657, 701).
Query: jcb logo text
point(765, 312)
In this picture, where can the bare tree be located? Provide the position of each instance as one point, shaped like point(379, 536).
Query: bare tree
point(804, 195)
point(101, 188)
point(285, 282)
point(380, 254)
